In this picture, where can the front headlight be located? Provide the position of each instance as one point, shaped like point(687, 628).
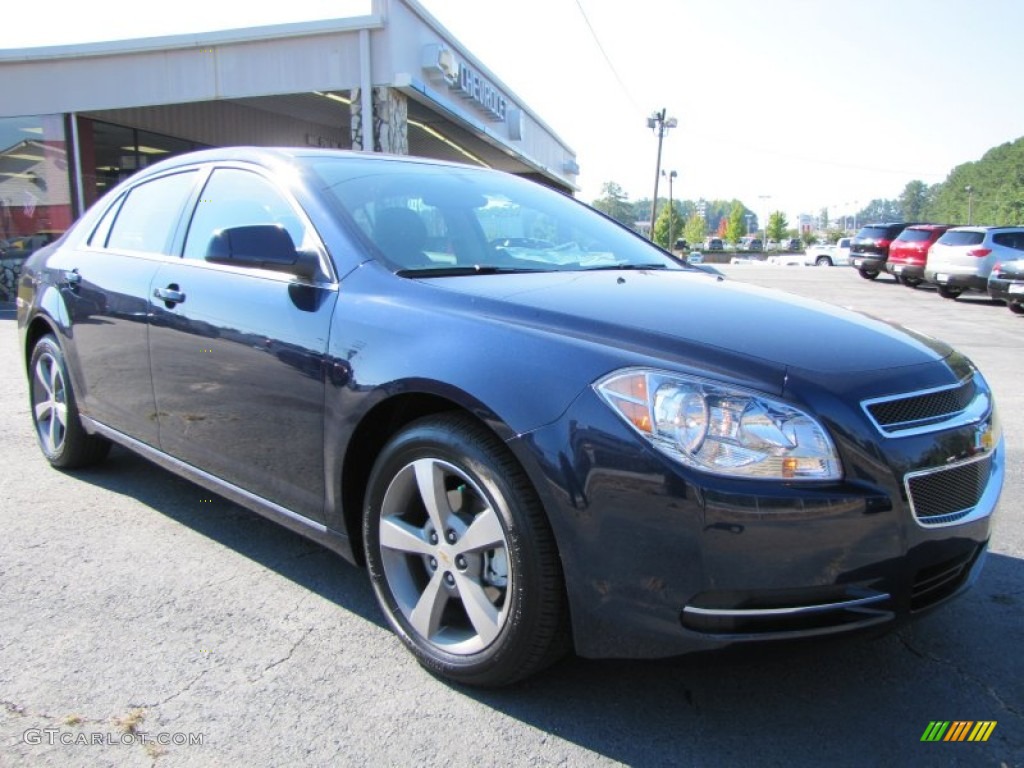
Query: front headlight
point(721, 429)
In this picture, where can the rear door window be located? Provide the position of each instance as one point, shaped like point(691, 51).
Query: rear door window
point(149, 215)
point(1013, 240)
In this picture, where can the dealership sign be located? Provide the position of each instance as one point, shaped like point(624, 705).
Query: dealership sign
point(440, 62)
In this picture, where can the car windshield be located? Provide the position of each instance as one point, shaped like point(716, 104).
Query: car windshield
point(961, 238)
point(437, 220)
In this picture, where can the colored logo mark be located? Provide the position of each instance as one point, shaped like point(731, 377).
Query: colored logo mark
point(959, 730)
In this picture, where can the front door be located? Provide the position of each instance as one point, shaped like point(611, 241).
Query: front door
point(237, 353)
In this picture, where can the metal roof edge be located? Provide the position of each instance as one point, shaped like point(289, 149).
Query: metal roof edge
point(194, 40)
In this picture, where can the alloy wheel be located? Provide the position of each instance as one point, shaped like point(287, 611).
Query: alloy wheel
point(444, 553)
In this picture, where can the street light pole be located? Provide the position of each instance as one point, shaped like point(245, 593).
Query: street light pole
point(766, 198)
point(658, 123)
point(671, 207)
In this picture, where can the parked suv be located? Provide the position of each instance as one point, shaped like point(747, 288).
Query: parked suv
point(870, 247)
point(713, 244)
point(1006, 283)
point(962, 259)
point(909, 252)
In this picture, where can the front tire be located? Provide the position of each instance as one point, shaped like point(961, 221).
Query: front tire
point(1017, 309)
point(461, 556)
point(823, 261)
point(62, 438)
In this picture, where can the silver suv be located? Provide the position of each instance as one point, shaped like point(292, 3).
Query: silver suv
point(963, 257)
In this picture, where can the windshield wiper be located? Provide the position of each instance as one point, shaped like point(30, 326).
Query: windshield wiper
point(623, 266)
point(478, 269)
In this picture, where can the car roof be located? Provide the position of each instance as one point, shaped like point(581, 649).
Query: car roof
point(977, 228)
point(277, 156)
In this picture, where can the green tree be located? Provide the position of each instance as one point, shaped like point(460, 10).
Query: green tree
point(615, 203)
point(777, 225)
point(737, 226)
point(669, 224)
point(694, 231)
point(879, 210)
point(914, 202)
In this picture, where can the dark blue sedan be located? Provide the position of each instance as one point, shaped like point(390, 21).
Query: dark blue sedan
point(538, 431)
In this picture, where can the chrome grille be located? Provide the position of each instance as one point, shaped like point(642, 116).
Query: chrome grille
point(909, 411)
point(945, 495)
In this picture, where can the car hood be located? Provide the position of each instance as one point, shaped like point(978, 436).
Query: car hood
point(678, 311)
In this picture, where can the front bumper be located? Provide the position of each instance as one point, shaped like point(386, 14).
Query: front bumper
point(661, 561)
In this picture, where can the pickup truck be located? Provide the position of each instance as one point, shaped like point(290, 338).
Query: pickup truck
point(829, 255)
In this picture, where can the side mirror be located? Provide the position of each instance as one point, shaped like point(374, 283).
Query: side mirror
point(262, 246)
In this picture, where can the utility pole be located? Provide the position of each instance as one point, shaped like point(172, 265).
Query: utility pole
point(658, 123)
point(671, 208)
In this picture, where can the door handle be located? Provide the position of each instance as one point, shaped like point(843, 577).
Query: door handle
point(172, 294)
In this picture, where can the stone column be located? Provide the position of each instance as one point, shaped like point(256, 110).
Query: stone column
point(390, 121)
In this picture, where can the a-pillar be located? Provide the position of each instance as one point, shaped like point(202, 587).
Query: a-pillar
point(390, 121)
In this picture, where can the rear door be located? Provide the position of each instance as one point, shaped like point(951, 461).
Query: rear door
point(238, 353)
point(106, 285)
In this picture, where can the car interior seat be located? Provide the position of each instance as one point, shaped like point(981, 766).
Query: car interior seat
point(401, 234)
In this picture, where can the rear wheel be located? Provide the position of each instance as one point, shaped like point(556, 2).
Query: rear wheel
point(62, 438)
point(867, 274)
point(461, 556)
point(949, 293)
point(823, 261)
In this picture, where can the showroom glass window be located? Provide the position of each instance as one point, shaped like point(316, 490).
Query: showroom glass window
point(238, 198)
point(112, 153)
point(147, 218)
point(35, 190)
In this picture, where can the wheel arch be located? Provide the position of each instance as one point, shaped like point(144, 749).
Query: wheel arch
point(38, 327)
point(378, 425)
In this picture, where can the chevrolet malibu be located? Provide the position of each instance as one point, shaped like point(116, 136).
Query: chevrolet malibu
point(537, 431)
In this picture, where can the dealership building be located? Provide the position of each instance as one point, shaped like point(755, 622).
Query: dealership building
point(75, 120)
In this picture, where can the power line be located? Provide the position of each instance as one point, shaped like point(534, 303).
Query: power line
point(608, 60)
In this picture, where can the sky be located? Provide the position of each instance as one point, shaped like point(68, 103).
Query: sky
point(791, 105)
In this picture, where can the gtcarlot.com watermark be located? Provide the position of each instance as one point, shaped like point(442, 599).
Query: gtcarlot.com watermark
point(58, 736)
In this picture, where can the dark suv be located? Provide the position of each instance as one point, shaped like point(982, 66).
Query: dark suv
point(870, 248)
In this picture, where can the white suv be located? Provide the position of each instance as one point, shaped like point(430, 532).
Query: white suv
point(963, 257)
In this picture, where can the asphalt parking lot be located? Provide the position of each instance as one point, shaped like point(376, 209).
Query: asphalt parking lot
point(144, 621)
